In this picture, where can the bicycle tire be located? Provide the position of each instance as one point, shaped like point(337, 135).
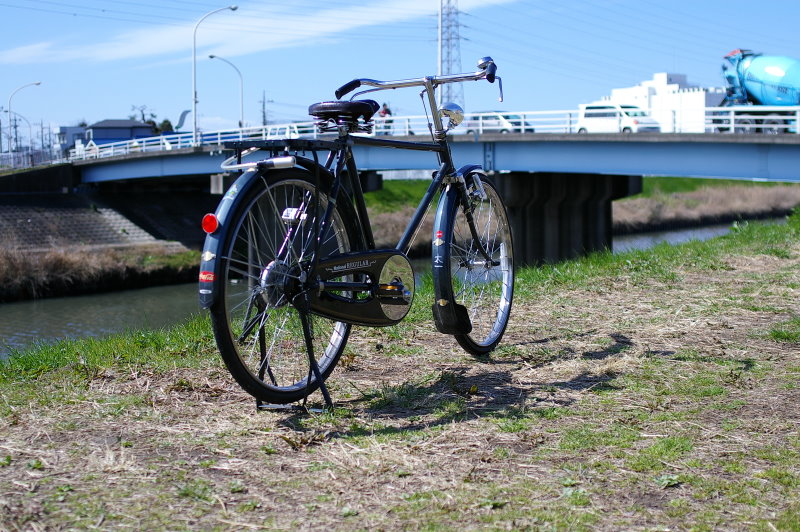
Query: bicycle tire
point(259, 262)
point(484, 289)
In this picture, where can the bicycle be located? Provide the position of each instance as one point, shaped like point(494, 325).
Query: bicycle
point(290, 265)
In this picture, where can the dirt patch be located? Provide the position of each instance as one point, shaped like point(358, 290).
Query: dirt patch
point(628, 404)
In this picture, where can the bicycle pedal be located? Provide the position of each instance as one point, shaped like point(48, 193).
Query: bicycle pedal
point(451, 317)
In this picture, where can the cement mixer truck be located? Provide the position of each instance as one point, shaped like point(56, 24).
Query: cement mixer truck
point(761, 80)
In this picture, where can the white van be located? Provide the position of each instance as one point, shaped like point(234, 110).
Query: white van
point(495, 122)
point(608, 117)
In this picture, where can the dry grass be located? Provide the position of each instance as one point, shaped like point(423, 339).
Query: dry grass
point(662, 211)
point(388, 227)
point(703, 206)
point(629, 402)
point(29, 275)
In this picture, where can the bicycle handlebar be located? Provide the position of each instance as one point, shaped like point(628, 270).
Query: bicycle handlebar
point(347, 87)
point(491, 71)
point(487, 70)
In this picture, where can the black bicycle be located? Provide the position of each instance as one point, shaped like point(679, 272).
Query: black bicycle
point(289, 263)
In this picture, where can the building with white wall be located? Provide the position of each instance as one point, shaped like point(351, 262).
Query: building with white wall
point(677, 105)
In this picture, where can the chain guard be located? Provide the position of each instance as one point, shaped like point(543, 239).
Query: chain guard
point(373, 288)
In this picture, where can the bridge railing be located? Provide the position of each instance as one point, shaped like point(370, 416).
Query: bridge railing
point(489, 122)
point(730, 120)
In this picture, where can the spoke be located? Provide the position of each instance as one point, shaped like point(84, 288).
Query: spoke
point(289, 239)
point(265, 361)
point(248, 326)
point(244, 273)
point(263, 353)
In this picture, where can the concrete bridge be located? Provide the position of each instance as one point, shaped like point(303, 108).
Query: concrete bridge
point(749, 157)
point(558, 187)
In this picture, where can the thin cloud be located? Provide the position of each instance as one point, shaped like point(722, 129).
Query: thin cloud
point(264, 29)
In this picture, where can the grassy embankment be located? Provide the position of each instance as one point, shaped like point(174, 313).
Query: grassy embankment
point(62, 271)
point(665, 201)
point(648, 390)
point(670, 203)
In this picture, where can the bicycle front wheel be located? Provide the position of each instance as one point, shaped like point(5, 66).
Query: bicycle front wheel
point(256, 319)
point(483, 285)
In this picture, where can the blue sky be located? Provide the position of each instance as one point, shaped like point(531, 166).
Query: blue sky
point(100, 59)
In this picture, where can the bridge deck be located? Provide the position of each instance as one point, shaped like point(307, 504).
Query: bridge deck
point(758, 157)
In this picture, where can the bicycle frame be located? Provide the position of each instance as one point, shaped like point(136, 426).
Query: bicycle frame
point(333, 275)
point(340, 152)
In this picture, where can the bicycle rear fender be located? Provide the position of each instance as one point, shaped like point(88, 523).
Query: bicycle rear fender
point(210, 264)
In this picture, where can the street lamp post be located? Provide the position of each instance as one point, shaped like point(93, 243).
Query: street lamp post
point(10, 119)
point(194, 69)
point(241, 88)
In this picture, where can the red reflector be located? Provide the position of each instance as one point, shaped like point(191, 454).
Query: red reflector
point(207, 277)
point(210, 223)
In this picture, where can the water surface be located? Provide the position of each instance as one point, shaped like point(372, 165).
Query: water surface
point(46, 320)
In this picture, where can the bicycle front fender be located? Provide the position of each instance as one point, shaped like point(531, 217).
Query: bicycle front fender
point(449, 316)
point(469, 168)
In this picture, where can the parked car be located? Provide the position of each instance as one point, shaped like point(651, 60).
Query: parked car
point(608, 117)
point(495, 122)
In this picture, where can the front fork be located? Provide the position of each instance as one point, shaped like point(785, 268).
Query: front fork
point(478, 193)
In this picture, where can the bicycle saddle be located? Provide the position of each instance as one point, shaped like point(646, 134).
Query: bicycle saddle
point(344, 109)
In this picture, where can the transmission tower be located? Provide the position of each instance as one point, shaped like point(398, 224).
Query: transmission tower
point(450, 51)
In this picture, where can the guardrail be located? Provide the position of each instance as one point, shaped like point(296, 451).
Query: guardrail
point(731, 120)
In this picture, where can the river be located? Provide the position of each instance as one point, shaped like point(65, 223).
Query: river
point(47, 320)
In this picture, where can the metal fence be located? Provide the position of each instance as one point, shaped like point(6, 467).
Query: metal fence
point(30, 158)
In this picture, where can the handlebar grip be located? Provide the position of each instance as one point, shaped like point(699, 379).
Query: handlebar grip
point(347, 87)
point(491, 70)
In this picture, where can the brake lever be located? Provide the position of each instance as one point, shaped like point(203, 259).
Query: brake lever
point(489, 68)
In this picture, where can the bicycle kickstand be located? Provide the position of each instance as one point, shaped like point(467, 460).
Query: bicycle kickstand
point(312, 362)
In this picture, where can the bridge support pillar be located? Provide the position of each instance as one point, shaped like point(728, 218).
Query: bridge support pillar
point(561, 216)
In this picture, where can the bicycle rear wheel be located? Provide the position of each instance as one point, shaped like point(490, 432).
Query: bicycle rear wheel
point(484, 287)
point(256, 316)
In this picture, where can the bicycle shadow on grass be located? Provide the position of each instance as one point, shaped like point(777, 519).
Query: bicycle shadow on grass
point(450, 396)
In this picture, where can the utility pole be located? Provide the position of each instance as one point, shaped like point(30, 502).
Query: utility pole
point(14, 129)
point(450, 51)
point(263, 108)
point(264, 103)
